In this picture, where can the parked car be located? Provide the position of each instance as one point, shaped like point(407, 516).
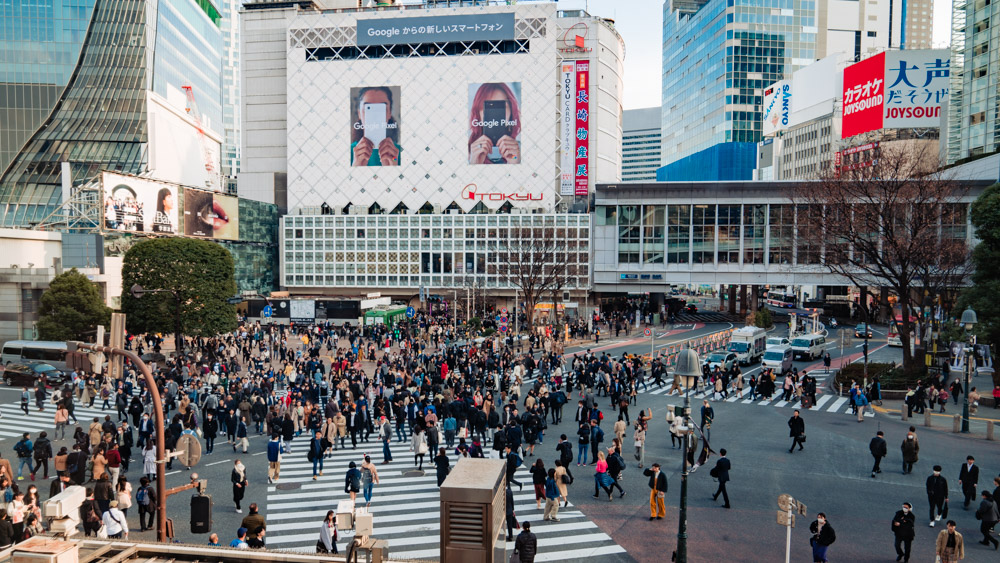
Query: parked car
point(27, 374)
point(725, 360)
point(863, 330)
point(691, 308)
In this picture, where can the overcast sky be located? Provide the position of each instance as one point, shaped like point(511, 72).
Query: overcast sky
point(640, 23)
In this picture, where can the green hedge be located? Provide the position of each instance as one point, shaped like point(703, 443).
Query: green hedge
point(890, 376)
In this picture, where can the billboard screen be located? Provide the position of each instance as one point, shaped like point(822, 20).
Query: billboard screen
point(436, 29)
point(375, 126)
point(211, 215)
point(139, 205)
point(916, 87)
point(864, 93)
point(495, 123)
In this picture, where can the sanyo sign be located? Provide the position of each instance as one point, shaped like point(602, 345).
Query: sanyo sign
point(777, 107)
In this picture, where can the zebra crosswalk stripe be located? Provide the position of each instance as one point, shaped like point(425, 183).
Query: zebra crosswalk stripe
point(406, 508)
point(15, 422)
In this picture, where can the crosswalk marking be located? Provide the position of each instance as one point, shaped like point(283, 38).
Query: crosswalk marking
point(406, 508)
point(837, 404)
point(14, 422)
point(820, 402)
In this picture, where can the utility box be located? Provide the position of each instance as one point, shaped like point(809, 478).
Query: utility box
point(474, 512)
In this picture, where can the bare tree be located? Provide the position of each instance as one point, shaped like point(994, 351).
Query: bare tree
point(533, 261)
point(889, 223)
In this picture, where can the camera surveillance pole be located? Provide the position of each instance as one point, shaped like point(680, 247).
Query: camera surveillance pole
point(154, 394)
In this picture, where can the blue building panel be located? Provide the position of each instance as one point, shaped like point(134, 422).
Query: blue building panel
point(718, 163)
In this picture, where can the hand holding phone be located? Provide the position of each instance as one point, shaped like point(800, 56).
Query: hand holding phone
point(374, 122)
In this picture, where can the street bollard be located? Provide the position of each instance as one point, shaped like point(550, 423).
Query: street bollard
point(989, 430)
point(956, 425)
point(927, 417)
point(903, 414)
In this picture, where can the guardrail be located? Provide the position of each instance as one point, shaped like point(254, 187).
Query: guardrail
point(700, 344)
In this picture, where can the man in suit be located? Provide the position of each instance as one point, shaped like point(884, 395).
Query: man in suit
point(796, 428)
point(657, 492)
point(968, 478)
point(721, 472)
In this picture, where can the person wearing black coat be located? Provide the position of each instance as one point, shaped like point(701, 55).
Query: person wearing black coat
point(511, 519)
point(526, 545)
point(937, 495)
point(968, 478)
point(7, 529)
point(210, 430)
point(988, 514)
point(902, 528)
point(796, 430)
point(879, 449)
point(721, 472)
point(822, 538)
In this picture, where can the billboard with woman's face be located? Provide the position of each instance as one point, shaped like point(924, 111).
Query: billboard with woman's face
point(495, 123)
point(210, 214)
point(375, 126)
point(139, 205)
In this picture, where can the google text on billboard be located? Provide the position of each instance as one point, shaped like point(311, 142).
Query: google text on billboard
point(895, 90)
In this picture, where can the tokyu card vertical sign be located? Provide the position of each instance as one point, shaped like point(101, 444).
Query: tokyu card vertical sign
point(567, 98)
point(916, 86)
point(864, 94)
point(581, 174)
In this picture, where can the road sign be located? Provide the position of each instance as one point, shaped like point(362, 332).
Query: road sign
point(411, 312)
point(189, 450)
point(503, 310)
point(786, 519)
point(503, 328)
point(802, 510)
point(235, 300)
point(267, 311)
point(786, 501)
point(648, 332)
point(504, 319)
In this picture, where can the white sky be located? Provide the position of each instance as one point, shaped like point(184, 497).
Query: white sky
point(640, 23)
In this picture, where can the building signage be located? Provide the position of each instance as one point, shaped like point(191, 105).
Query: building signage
point(567, 98)
point(863, 96)
point(777, 107)
point(472, 192)
point(436, 29)
point(582, 156)
point(916, 87)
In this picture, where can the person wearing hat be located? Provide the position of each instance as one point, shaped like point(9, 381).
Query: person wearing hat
point(657, 492)
point(114, 521)
point(241, 539)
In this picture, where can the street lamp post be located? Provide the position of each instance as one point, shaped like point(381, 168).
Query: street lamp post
point(687, 366)
point(969, 321)
point(154, 395)
point(138, 291)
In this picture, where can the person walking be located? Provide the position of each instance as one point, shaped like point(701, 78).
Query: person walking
point(796, 430)
point(878, 449)
point(937, 495)
point(565, 449)
point(513, 461)
point(385, 434)
point(721, 472)
point(145, 498)
point(562, 480)
point(274, 458)
point(640, 441)
point(903, 529)
point(369, 478)
point(511, 520)
point(23, 449)
point(949, 546)
point(317, 447)
point(526, 545)
point(352, 481)
point(552, 495)
point(861, 402)
point(327, 542)
point(442, 466)
point(707, 416)
point(968, 478)
point(988, 515)
point(657, 492)
point(254, 521)
point(910, 448)
point(822, 538)
point(42, 453)
point(240, 482)
point(115, 522)
point(584, 443)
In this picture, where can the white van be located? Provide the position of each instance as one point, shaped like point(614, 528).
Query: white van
point(809, 346)
point(778, 359)
point(748, 344)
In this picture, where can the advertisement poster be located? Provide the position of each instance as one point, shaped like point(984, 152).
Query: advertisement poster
point(139, 205)
point(302, 310)
point(581, 175)
point(211, 215)
point(566, 100)
point(495, 123)
point(375, 126)
point(436, 29)
point(777, 106)
point(916, 86)
point(864, 93)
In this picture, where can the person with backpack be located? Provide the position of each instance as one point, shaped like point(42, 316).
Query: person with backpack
point(596, 437)
point(42, 453)
point(145, 500)
point(616, 464)
point(23, 448)
point(90, 514)
point(565, 449)
point(513, 462)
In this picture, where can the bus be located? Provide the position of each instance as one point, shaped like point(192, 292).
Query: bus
point(20, 351)
point(778, 299)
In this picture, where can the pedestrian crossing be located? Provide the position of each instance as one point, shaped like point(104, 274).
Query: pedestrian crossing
point(824, 402)
point(14, 422)
point(406, 509)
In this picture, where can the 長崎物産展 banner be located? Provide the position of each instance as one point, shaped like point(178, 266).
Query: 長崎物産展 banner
point(582, 174)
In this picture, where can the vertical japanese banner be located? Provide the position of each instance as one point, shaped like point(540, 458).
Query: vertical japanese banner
point(568, 161)
point(582, 127)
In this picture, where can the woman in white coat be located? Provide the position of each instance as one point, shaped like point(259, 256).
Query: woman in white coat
point(149, 460)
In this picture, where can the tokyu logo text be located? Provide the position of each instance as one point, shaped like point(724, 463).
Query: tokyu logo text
point(472, 192)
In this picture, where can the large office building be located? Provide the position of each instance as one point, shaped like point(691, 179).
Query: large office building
point(408, 144)
point(973, 121)
point(92, 85)
point(720, 55)
point(640, 144)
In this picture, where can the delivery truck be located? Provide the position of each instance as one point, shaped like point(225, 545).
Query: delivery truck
point(748, 343)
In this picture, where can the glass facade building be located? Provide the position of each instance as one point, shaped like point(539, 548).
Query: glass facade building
point(718, 56)
point(74, 80)
point(974, 109)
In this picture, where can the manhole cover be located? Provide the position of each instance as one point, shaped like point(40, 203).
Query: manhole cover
point(414, 473)
point(287, 486)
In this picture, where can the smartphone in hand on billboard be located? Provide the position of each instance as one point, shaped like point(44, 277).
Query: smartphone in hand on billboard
point(375, 126)
point(374, 122)
point(495, 123)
